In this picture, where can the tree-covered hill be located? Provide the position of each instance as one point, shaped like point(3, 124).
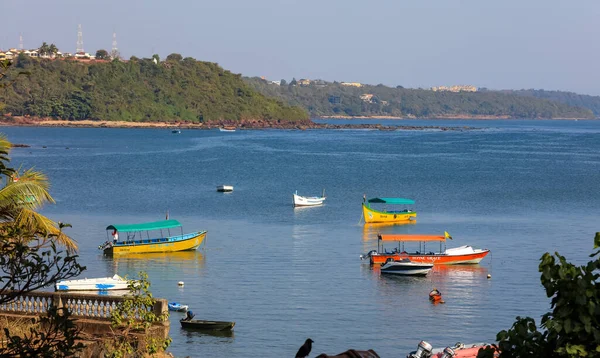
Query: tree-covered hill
point(178, 89)
point(333, 99)
point(570, 98)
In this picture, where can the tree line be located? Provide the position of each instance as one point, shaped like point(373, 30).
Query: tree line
point(322, 98)
point(148, 90)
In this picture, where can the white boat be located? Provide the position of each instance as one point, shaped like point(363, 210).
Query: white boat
point(405, 267)
point(227, 129)
point(224, 188)
point(93, 284)
point(308, 200)
point(176, 306)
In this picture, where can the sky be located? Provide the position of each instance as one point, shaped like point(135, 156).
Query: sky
point(501, 44)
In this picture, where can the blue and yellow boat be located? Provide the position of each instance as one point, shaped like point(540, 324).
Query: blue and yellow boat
point(135, 243)
point(388, 216)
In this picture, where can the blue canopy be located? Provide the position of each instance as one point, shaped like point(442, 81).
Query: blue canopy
point(399, 201)
point(156, 225)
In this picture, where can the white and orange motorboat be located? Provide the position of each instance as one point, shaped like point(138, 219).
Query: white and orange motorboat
point(459, 350)
point(453, 256)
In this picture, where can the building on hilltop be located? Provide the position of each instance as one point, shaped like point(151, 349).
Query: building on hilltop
point(367, 97)
point(352, 84)
point(304, 82)
point(456, 88)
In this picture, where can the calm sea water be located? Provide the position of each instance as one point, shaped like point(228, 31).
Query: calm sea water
point(519, 188)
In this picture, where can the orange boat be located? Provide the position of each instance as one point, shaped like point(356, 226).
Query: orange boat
point(454, 256)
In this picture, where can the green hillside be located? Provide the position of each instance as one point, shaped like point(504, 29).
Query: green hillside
point(573, 99)
point(178, 89)
point(333, 99)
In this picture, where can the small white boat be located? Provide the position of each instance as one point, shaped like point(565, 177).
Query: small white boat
point(176, 306)
point(405, 267)
point(93, 284)
point(308, 200)
point(227, 129)
point(224, 188)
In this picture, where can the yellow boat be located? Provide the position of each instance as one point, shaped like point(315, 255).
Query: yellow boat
point(136, 244)
point(388, 216)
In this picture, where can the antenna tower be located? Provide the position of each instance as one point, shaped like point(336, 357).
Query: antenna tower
point(21, 42)
point(114, 53)
point(79, 39)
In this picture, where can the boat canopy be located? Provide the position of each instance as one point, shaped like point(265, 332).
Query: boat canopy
point(399, 201)
point(155, 225)
point(411, 237)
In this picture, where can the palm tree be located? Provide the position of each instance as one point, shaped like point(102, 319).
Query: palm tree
point(44, 49)
point(23, 194)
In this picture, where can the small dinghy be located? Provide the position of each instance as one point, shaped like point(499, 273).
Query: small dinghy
point(189, 323)
point(405, 267)
point(224, 188)
point(93, 284)
point(175, 306)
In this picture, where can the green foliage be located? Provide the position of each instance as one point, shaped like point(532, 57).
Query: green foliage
point(572, 99)
point(55, 336)
point(139, 90)
point(30, 261)
point(134, 316)
point(412, 103)
point(572, 328)
point(102, 55)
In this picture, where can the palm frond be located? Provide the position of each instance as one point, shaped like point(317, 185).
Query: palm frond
point(38, 223)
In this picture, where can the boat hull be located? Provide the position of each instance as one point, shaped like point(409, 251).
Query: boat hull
point(169, 244)
point(308, 201)
point(207, 325)
point(224, 188)
point(92, 284)
point(406, 268)
point(177, 307)
point(373, 216)
point(436, 259)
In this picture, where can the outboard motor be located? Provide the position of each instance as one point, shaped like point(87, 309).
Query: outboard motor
point(423, 351)
point(448, 353)
point(367, 255)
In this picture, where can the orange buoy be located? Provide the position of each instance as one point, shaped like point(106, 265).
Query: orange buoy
point(435, 296)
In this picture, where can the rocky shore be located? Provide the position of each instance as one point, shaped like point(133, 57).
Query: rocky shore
point(243, 124)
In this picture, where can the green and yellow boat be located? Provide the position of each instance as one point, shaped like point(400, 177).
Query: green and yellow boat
point(388, 216)
point(164, 240)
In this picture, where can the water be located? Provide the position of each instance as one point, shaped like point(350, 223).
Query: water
point(284, 274)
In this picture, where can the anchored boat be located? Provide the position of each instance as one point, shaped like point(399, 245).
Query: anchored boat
point(93, 284)
point(224, 188)
point(308, 200)
point(459, 255)
point(405, 267)
point(387, 216)
point(163, 241)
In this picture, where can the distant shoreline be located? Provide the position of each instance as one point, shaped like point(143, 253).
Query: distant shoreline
point(478, 117)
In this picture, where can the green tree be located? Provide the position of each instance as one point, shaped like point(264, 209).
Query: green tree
point(134, 317)
point(44, 49)
point(174, 57)
point(53, 49)
point(25, 192)
point(283, 82)
point(572, 328)
point(102, 55)
point(30, 261)
point(156, 58)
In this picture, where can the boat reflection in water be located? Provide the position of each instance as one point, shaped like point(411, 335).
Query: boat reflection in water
point(195, 333)
point(164, 262)
point(371, 230)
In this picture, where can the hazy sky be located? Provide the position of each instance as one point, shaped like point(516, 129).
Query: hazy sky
point(499, 44)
